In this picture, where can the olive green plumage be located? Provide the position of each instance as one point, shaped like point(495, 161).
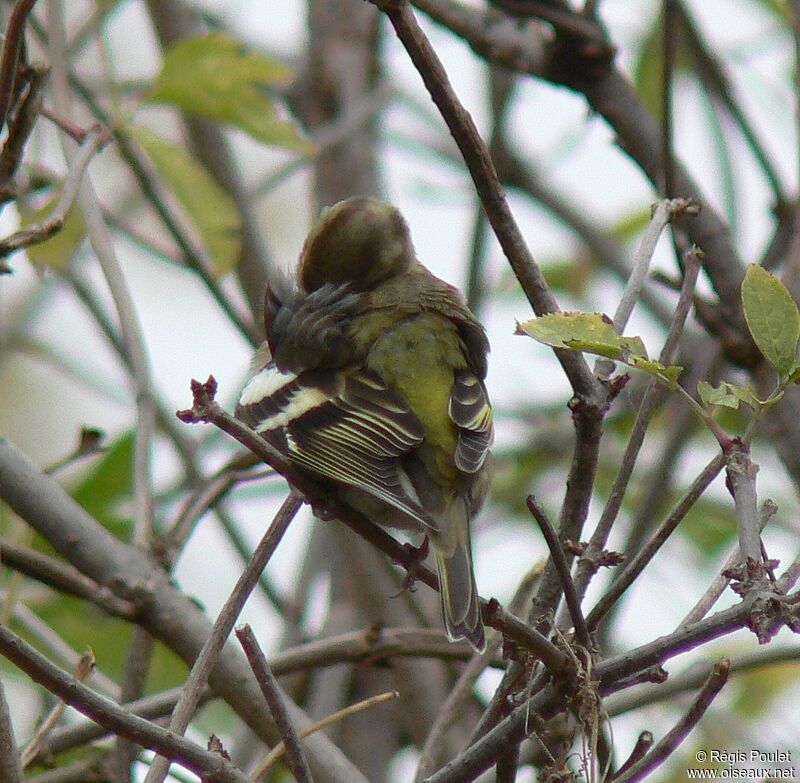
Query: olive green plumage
point(375, 384)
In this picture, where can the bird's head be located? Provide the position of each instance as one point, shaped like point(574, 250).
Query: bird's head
point(360, 241)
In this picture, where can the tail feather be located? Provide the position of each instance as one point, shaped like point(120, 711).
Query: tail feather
point(459, 596)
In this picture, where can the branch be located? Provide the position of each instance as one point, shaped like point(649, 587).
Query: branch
point(162, 609)
point(662, 750)
point(33, 235)
point(112, 717)
point(478, 161)
point(63, 577)
point(206, 409)
point(206, 660)
point(639, 561)
point(12, 46)
point(562, 568)
point(275, 700)
point(647, 408)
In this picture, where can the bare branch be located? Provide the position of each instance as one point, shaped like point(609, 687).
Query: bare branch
point(207, 659)
point(478, 161)
point(12, 46)
point(274, 698)
point(114, 718)
point(33, 235)
point(662, 750)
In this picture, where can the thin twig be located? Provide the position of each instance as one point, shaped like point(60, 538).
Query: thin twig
point(643, 744)
point(562, 567)
point(664, 212)
point(478, 161)
point(268, 760)
point(206, 660)
point(586, 567)
point(196, 259)
point(39, 232)
point(669, 45)
point(274, 698)
point(165, 611)
point(637, 563)
point(45, 638)
point(101, 243)
point(663, 749)
point(84, 668)
point(206, 409)
point(717, 588)
point(62, 576)
point(11, 49)
point(184, 445)
point(694, 677)
point(483, 753)
point(712, 72)
point(461, 693)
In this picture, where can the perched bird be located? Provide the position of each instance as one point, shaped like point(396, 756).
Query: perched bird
point(374, 383)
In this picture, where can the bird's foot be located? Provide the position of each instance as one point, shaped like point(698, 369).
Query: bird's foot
point(416, 557)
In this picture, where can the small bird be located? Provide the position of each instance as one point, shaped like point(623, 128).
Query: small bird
point(372, 380)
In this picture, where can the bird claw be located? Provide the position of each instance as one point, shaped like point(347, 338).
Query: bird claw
point(416, 557)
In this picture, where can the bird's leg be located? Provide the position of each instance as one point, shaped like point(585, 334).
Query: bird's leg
point(416, 557)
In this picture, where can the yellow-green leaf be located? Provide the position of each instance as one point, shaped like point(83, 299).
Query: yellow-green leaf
point(718, 395)
point(211, 210)
point(216, 76)
point(56, 252)
point(590, 332)
point(667, 372)
point(772, 317)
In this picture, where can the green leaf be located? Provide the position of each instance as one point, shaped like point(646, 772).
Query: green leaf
point(594, 333)
point(81, 624)
point(667, 372)
point(211, 210)
point(632, 224)
point(56, 252)
point(217, 77)
point(590, 332)
point(772, 317)
point(729, 395)
point(108, 483)
point(648, 70)
point(718, 395)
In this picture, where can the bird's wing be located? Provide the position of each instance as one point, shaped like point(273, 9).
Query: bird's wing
point(472, 414)
point(344, 426)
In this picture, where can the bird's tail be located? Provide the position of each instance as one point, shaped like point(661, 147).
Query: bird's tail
point(459, 595)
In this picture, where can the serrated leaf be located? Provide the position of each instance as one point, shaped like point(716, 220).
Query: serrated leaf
point(211, 210)
point(56, 252)
point(216, 76)
point(772, 318)
point(589, 332)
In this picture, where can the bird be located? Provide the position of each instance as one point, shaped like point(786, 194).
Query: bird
point(372, 380)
